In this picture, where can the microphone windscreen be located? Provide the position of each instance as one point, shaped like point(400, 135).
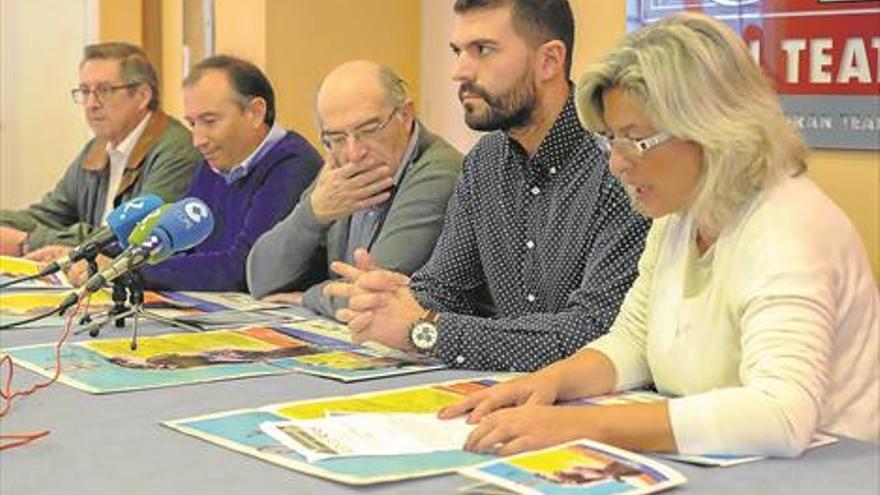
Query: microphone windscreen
point(141, 231)
point(125, 217)
point(184, 225)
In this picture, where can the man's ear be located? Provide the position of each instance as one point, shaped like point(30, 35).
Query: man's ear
point(257, 108)
point(408, 112)
point(551, 59)
point(144, 93)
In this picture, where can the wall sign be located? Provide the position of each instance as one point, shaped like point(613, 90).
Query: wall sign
point(822, 55)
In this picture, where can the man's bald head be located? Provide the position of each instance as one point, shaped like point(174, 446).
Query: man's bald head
point(364, 114)
point(358, 80)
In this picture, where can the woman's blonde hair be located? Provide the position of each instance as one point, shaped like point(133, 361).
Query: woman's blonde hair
point(697, 81)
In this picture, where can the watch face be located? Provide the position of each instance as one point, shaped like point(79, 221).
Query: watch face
point(424, 336)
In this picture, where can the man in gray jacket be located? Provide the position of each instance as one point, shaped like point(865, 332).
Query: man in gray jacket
point(137, 149)
point(384, 187)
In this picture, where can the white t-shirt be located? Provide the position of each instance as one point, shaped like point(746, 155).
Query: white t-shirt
point(118, 159)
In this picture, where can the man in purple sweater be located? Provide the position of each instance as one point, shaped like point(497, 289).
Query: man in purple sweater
point(252, 175)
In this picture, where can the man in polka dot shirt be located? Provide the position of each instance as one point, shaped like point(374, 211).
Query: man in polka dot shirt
point(539, 244)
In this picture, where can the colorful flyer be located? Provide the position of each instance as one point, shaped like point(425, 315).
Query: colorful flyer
point(241, 431)
point(12, 268)
point(18, 305)
point(580, 467)
point(182, 358)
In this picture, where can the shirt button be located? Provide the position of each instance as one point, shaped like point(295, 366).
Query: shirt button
point(530, 245)
point(531, 298)
point(552, 170)
point(536, 191)
point(459, 360)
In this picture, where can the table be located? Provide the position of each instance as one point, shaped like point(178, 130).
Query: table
point(111, 444)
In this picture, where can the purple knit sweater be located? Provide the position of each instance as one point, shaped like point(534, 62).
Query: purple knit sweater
point(242, 212)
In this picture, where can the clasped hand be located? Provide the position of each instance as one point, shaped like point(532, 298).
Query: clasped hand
point(381, 307)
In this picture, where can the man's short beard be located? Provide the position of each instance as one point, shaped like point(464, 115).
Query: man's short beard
point(510, 110)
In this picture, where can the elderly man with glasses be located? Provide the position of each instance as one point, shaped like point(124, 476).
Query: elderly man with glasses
point(384, 187)
point(136, 149)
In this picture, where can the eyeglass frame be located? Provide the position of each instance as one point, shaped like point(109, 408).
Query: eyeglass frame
point(358, 133)
point(639, 146)
point(107, 90)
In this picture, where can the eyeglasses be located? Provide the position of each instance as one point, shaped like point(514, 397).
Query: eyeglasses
point(101, 92)
point(633, 147)
point(335, 142)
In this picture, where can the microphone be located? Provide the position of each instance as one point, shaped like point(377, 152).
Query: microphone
point(120, 223)
point(182, 226)
point(141, 232)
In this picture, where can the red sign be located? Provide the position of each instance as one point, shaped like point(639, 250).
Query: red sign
point(822, 55)
point(807, 46)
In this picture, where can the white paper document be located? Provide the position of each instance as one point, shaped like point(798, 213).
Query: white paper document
point(369, 434)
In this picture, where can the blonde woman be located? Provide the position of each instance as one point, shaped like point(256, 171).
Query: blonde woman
point(755, 307)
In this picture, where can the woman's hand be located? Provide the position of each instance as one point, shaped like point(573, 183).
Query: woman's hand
point(539, 388)
point(530, 427)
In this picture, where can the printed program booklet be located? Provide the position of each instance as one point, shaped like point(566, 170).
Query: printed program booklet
point(369, 434)
point(181, 358)
point(578, 467)
point(241, 430)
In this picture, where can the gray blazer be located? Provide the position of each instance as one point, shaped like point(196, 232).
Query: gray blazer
point(286, 257)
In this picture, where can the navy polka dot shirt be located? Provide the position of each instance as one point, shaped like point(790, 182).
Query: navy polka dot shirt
point(536, 254)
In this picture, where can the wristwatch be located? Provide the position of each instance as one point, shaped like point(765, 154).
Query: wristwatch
point(423, 333)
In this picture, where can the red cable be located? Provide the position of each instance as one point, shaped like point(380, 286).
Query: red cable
point(8, 395)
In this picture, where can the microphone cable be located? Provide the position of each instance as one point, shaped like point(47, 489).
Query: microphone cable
point(11, 440)
point(39, 317)
point(19, 280)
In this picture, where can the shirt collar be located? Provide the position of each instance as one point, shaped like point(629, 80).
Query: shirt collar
point(126, 145)
point(275, 134)
point(408, 154)
point(564, 138)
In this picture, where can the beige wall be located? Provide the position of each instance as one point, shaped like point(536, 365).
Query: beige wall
point(39, 59)
point(298, 42)
point(121, 20)
point(598, 25)
point(852, 179)
point(172, 57)
point(307, 39)
point(440, 109)
point(241, 29)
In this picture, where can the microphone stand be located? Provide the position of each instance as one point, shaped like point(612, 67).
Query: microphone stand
point(131, 285)
point(92, 264)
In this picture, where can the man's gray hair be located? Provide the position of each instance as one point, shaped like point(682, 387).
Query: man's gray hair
point(394, 86)
point(133, 63)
